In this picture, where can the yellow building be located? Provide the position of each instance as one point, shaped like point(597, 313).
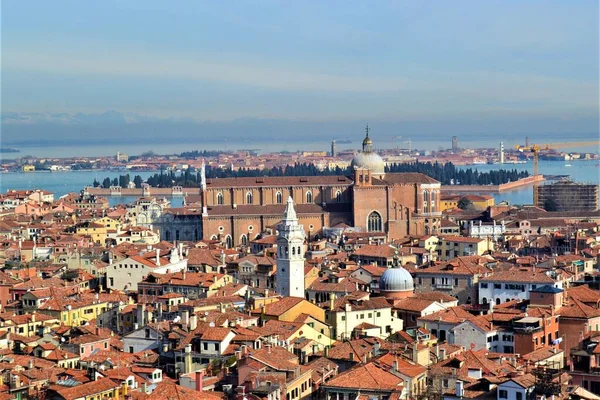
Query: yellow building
point(480, 202)
point(75, 311)
point(102, 388)
point(109, 223)
point(291, 331)
point(29, 324)
point(28, 168)
point(289, 309)
point(458, 246)
point(94, 230)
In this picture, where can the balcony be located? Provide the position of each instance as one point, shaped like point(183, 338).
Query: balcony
point(527, 328)
point(435, 214)
point(444, 286)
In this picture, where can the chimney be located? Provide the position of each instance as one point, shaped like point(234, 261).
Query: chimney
point(30, 364)
point(460, 390)
point(193, 322)
point(187, 359)
point(415, 351)
point(326, 351)
point(158, 257)
point(331, 301)
point(199, 375)
point(395, 365)
point(144, 387)
point(180, 250)
point(185, 318)
point(351, 356)
point(125, 389)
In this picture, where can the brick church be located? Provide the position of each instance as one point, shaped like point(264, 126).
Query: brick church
point(237, 210)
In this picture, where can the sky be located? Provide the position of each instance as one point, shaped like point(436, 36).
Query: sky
point(488, 67)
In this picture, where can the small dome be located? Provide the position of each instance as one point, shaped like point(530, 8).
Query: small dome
point(371, 161)
point(367, 141)
point(396, 279)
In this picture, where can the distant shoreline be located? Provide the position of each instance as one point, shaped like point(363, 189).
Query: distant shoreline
point(9, 150)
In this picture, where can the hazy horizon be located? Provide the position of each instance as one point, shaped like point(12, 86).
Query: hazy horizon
point(155, 72)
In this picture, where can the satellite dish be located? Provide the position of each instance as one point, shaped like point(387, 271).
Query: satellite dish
point(212, 324)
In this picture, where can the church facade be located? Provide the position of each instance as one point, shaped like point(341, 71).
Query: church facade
point(237, 210)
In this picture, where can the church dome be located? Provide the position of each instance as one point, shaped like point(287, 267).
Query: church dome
point(368, 158)
point(371, 161)
point(396, 279)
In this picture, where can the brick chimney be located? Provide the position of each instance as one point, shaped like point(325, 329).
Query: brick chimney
point(199, 383)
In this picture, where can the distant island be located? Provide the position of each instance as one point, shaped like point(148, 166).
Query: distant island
point(8, 150)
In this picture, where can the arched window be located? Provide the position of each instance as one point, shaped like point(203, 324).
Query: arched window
point(279, 198)
point(433, 196)
point(426, 201)
point(228, 242)
point(168, 235)
point(213, 237)
point(498, 301)
point(177, 234)
point(338, 196)
point(299, 253)
point(293, 251)
point(244, 240)
point(484, 300)
point(249, 198)
point(309, 198)
point(374, 223)
point(426, 229)
point(220, 198)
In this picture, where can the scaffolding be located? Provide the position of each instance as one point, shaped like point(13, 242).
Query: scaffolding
point(568, 196)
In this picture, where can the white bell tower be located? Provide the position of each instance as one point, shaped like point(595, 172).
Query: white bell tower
point(290, 254)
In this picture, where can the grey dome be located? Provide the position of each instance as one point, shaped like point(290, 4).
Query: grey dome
point(371, 161)
point(396, 279)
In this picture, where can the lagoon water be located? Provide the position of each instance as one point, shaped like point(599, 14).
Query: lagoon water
point(62, 183)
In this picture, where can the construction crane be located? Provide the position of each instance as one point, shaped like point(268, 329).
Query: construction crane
point(409, 142)
point(535, 150)
point(394, 138)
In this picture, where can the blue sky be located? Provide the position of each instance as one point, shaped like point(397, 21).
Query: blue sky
point(454, 61)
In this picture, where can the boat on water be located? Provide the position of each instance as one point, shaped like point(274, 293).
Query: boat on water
point(568, 165)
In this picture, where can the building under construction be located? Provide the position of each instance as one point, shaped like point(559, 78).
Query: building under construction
point(568, 196)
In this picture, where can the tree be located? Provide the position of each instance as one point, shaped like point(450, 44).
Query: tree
point(138, 181)
point(551, 204)
point(464, 203)
point(106, 183)
point(96, 183)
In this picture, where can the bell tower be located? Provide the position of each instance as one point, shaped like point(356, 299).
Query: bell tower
point(290, 254)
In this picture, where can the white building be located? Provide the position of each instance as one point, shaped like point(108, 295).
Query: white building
point(494, 231)
point(372, 317)
point(125, 274)
point(503, 286)
point(479, 333)
point(517, 388)
point(290, 254)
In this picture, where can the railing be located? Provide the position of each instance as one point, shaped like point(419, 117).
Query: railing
point(447, 286)
point(527, 329)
